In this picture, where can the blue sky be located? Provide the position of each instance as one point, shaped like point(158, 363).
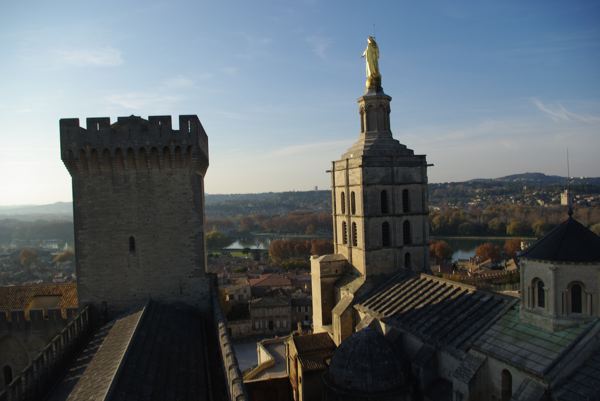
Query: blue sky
point(484, 88)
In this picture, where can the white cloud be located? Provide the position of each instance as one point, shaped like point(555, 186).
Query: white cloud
point(142, 100)
point(102, 57)
point(559, 113)
point(319, 45)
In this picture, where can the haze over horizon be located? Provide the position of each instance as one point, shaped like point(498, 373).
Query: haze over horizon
point(483, 89)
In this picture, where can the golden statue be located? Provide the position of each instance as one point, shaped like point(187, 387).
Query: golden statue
point(371, 55)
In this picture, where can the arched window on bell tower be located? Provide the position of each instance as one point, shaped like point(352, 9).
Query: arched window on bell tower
point(343, 202)
point(406, 233)
point(405, 201)
point(384, 202)
point(354, 235)
point(385, 234)
point(352, 203)
point(344, 233)
point(407, 260)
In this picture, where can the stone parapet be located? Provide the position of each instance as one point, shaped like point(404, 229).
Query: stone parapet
point(133, 143)
point(235, 381)
point(34, 380)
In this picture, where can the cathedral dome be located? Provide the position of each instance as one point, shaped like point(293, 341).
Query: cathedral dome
point(366, 363)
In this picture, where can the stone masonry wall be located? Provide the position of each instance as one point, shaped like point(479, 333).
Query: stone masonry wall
point(138, 201)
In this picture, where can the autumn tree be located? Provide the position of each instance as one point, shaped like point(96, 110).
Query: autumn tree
point(27, 256)
point(63, 256)
point(512, 246)
point(321, 247)
point(440, 251)
point(488, 251)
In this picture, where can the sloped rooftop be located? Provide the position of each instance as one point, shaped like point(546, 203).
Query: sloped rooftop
point(584, 384)
point(313, 350)
point(527, 346)
point(437, 310)
point(570, 241)
point(161, 352)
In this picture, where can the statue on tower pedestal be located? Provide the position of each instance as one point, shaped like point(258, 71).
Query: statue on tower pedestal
point(371, 55)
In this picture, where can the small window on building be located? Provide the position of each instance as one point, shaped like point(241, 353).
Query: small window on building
point(132, 244)
point(8, 375)
point(406, 233)
point(385, 234)
point(576, 298)
point(344, 233)
point(352, 203)
point(405, 201)
point(354, 235)
point(384, 202)
point(407, 261)
point(343, 202)
point(506, 383)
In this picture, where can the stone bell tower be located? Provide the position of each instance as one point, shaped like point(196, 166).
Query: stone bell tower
point(380, 213)
point(380, 205)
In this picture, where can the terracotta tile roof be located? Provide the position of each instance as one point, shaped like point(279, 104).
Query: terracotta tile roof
point(270, 280)
point(19, 297)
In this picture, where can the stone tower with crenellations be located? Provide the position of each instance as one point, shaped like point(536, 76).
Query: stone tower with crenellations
point(138, 197)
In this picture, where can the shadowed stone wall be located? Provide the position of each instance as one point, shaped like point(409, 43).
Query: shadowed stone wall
point(138, 203)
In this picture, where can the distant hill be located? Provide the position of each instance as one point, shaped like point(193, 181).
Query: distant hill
point(53, 211)
point(279, 203)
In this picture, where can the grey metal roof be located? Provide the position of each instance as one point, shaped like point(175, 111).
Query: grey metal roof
point(440, 311)
point(584, 384)
point(570, 241)
point(526, 346)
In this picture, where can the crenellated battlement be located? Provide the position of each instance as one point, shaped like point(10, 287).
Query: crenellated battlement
point(133, 143)
point(34, 318)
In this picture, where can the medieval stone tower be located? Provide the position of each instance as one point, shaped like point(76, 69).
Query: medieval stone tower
point(379, 190)
point(138, 206)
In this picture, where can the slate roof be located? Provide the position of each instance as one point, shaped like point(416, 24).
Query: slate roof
point(584, 383)
point(568, 242)
point(436, 310)
point(18, 297)
point(159, 353)
point(527, 346)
